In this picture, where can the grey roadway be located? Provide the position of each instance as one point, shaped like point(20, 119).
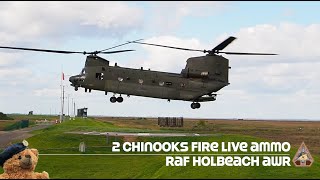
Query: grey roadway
point(140, 134)
point(7, 137)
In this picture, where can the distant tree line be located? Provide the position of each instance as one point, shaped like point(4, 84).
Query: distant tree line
point(4, 117)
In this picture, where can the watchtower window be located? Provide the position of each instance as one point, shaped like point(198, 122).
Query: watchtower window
point(99, 76)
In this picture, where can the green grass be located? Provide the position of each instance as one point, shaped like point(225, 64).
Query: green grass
point(32, 117)
point(84, 167)
point(54, 140)
point(13, 126)
point(17, 125)
point(5, 124)
point(88, 124)
point(4, 117)
point(154, 166)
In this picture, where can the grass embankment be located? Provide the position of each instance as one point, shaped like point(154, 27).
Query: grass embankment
point(5, 123)
point(18, 125)
point(14, 121)
point(4, 116)
point(33, 117)
point(53, 140)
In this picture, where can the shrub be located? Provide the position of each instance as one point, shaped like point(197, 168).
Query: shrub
point(4, 117)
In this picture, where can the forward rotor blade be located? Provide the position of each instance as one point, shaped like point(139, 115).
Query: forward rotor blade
point(239, 53)
point(120, 45)
point(224, 44)
point(111, 52)
point(186, 49)
point(42, 50)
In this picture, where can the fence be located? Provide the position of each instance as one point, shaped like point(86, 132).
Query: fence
point(170, 121)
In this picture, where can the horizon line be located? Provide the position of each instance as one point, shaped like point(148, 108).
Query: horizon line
point(204, 118)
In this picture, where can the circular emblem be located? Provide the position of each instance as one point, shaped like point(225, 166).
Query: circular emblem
point(25, 143)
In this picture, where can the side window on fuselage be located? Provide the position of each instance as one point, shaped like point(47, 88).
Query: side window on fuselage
point(99, 76)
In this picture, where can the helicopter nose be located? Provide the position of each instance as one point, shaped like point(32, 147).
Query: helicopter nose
point(77, 80)
point(72, 79)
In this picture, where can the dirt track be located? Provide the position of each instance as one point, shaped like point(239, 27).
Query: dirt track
point(9, 137)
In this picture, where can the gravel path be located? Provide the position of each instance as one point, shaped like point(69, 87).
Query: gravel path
point(7, 137)
point(140, 134)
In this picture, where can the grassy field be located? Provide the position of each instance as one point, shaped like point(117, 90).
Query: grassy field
point(292, 131)
point(6, 123)
point(13, 124)
point(53, 140)
point(32, 117)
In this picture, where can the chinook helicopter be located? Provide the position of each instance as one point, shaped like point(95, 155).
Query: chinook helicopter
point(198, 82)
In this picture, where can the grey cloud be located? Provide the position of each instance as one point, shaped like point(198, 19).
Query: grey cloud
point(25, 21)
point(167, 16)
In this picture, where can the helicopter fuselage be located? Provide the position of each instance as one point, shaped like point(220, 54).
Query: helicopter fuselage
point(189, 85)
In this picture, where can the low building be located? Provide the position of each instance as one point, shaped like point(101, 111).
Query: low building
point(83, 112)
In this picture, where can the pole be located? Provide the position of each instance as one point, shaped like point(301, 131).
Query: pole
point(68, 104)
point(61, 113)
point(62, 103)
point(62, 94)
point(72, 106)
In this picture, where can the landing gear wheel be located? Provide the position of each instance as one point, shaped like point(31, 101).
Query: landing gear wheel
point(195, 105)
point(113, 99)
point(119, 99)
point(76, 88)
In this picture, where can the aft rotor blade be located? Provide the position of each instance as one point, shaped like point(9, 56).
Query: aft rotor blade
point(240, 53)
point(110, 52)
point(224, 44)
point(186, 49)
point(42, 50)
point(120, 45)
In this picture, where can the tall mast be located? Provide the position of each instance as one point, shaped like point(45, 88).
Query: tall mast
point(62, 95)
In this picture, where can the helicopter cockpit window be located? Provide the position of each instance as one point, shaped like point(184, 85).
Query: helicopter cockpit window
point(99, 76)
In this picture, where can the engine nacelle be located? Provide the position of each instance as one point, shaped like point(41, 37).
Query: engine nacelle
point(204, 74)
point(211, 67)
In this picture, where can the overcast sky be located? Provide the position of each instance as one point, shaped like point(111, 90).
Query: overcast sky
point(278, 87)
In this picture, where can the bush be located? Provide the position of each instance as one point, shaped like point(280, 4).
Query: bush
point(201, 123)
point(18, 125)
point(203, 126)
point(4, 117)
point(14, 126)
